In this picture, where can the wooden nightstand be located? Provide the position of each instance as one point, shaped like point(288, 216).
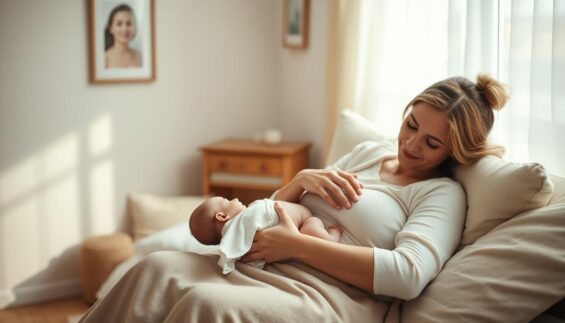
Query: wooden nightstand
point(249, 170)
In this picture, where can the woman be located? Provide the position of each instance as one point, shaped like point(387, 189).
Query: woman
point(402, 211)
point(119, 31)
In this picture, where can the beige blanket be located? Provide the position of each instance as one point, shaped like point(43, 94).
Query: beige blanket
point(172, 286)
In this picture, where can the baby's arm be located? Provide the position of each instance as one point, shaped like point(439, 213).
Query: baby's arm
point(310, 225)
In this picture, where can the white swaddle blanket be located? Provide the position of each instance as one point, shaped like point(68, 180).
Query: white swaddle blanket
point(238, 233)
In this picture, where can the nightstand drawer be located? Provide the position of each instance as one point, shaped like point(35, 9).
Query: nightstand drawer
point(250, 170)
point(245, 164)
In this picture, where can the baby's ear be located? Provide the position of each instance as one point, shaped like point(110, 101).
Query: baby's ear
point(222, 217)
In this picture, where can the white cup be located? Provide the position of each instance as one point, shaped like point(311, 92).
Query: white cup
point(272, 136)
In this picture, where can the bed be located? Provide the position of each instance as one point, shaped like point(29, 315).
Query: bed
point(510, 266)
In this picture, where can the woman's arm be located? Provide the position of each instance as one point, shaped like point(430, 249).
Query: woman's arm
point(351, 264)
point(424, 244)
point(427, 240)
point(336, 187)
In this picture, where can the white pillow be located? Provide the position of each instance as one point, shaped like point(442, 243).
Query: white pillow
point(151, 213)
point(498, 190)
point(351, 130)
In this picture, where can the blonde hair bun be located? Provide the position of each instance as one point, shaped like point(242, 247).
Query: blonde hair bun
point(493, 91)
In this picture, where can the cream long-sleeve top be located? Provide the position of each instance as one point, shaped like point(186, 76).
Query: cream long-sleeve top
point(413, 229)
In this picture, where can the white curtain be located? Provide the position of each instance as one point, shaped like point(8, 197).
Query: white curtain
point(532, 63)
point(402, 50)
point(406, 45)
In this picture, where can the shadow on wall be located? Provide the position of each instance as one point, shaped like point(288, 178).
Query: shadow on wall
point(49, 202)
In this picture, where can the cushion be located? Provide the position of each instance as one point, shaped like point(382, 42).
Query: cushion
point(497, 190)
point(352, 129)
point(151, 213)
point(558, 195)
point(511, 274)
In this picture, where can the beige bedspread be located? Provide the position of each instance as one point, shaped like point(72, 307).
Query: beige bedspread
point(172, 286)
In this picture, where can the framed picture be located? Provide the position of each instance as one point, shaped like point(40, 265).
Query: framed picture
point(122, 41)
point(295, 23)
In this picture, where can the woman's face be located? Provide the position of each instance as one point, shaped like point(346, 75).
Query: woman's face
point(423, 139)
point(122, 27)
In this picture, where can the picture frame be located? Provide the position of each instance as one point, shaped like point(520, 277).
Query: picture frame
point(295, 24)
point(121, 41)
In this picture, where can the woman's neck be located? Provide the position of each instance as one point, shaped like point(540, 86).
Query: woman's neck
point(121, 47)
point(397, 170)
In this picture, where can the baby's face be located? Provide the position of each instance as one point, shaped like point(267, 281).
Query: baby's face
point(208, 220)
point(221, 204)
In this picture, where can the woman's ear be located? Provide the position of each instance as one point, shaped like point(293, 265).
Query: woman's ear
point(222, 217)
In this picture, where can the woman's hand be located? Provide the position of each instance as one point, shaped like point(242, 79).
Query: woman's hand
point(276, 243)
point(338, 188)
point(352, 264)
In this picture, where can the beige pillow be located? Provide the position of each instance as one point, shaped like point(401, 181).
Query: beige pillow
point(558, 195)
point(511, 274)
point(151, 213)
point(351, 130)
point(498, 190)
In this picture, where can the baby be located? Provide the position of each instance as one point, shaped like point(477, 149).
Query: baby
point(232, 225)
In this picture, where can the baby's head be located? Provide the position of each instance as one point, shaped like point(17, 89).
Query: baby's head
point(208, 219)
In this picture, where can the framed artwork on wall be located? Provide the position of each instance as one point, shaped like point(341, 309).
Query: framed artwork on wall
point(122, 41)
point(295, 23)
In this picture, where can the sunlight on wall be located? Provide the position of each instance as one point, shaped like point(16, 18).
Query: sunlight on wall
point(102, 219)
point(39, 209)
point(60, 159)
point(17, 219)
point(101, 177)
point(18, 181)
point(62, 212)
point(100, 136)
point(20, 236)
point(51, 200)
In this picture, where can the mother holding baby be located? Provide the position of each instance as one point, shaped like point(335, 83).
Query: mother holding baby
point(402, 212)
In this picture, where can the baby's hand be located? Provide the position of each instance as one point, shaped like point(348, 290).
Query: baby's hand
point(335, 231)
point(336, 228)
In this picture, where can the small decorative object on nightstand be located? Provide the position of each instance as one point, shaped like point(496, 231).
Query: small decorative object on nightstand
point(249, 170)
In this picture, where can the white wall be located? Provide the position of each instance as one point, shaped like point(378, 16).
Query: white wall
point(70, 151)
point(302, 84)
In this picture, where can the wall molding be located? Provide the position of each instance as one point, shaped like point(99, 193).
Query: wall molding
point(37, 293)
point(6, 298)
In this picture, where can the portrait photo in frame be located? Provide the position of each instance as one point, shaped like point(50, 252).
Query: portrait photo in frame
point(295, 23)
point(122, 41)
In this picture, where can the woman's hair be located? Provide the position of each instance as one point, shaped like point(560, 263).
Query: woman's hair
point(469, 108)
point(108, 37)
